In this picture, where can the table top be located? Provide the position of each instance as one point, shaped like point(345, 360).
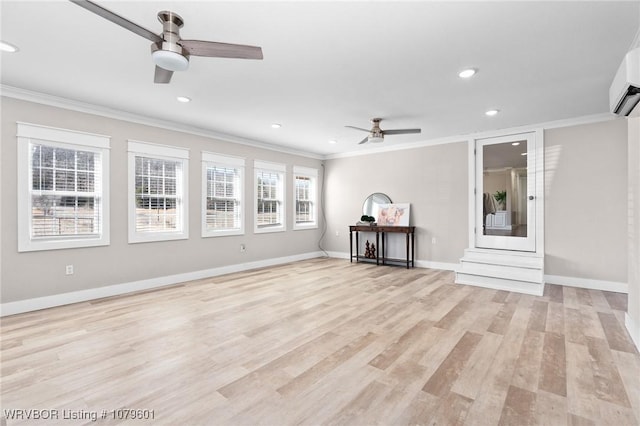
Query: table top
point(376, 228)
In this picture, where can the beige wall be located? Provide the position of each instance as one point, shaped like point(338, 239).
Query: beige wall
point(433, 179)
point(585, 208)
point(34, 274)
point(585, 204)
point(586, 201)
point(633, 320)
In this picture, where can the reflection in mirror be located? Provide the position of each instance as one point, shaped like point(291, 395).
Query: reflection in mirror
point(372, 203)
point(505, 189)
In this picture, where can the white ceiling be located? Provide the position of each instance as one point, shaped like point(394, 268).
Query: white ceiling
point(331, 64)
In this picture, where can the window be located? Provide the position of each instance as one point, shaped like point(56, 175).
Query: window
point(305, 190)
point(157, 192)
point(269, 186)
point(62, 188)
point(222, 200)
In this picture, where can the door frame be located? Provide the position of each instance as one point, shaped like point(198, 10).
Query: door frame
point(536, 137)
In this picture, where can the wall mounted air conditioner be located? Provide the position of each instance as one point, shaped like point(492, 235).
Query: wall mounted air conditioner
point(624, 93)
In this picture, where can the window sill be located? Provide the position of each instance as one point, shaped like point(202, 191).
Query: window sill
point(305, 227)
point(269, 230)
point(156, 237)
point(42, 245)
point(214, 234)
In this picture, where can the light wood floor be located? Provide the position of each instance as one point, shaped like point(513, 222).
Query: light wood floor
point(329, 342)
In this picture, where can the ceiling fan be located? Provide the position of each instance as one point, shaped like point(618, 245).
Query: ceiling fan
point(169, 52)
point(376, 134)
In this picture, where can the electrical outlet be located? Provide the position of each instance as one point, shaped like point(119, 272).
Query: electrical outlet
point(243, 248)
point(69, 269)
point(433, 240)
point(337, 233)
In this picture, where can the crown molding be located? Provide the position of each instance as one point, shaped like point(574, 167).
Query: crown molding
point(576, 121)
point(59, 102)
point(70, 104)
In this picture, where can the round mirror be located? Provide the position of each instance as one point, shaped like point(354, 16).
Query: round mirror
point(372, 204)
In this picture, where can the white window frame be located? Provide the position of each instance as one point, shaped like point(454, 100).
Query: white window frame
point(28, 134)
point(281, 170)
point(211, 159)
point(162, 152)
point(312, 174)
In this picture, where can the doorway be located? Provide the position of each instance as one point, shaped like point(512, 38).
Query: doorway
point(506, 212)
point(505, 194)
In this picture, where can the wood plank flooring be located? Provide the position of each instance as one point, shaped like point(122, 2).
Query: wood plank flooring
point(326, 341)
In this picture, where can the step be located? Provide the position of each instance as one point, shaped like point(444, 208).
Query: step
point(521, 272)
point(506, 258)
point(502, 271)
point(527, 287)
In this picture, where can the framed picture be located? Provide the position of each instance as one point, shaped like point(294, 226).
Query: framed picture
point(396, 214)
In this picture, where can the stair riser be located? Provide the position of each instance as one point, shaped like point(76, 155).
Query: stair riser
point(536, 289)
point(501, 271)
point(503, 259)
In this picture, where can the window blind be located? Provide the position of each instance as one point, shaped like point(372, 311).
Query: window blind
point(157, 194)
point(223, 198)
point(65, 191)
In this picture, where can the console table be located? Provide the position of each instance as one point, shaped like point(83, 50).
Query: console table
point(409, 232)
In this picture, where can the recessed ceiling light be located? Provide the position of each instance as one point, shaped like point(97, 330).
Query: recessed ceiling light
point(7, 47)
point(468, 73)
point(276, 125)
point(492, 112)
point(515, 143)
point(524, 153)
point(333, 141)
point(183, 99)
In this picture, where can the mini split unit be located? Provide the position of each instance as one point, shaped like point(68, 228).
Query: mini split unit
point(624, 93)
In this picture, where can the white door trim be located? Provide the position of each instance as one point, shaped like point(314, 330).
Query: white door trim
point(538, 190)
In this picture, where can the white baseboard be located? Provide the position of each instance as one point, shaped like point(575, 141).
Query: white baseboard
point(614, 286)
point(419, 263)
point(437, 265)
point(633, 327)
point(28, 305)
point(338, 254)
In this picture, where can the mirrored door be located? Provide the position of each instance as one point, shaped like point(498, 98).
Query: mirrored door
point(505, 192)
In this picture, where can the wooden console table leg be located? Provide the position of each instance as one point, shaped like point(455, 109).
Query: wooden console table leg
point(351, 246)
point(357, 246)
point(407, 248)
point(378, 249)
point(413, 261)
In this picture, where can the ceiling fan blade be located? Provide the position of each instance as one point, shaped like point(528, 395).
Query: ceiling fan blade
point(117, 19)
point(359, 128)
point(162, 76)
point(363, 140)
point(401, 131)
point(214, 49)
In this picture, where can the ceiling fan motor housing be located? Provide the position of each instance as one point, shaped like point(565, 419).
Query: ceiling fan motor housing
point(376, 135)
point(169, 54)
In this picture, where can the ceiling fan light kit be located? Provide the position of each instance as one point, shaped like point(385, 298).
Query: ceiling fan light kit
point(170, 61)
